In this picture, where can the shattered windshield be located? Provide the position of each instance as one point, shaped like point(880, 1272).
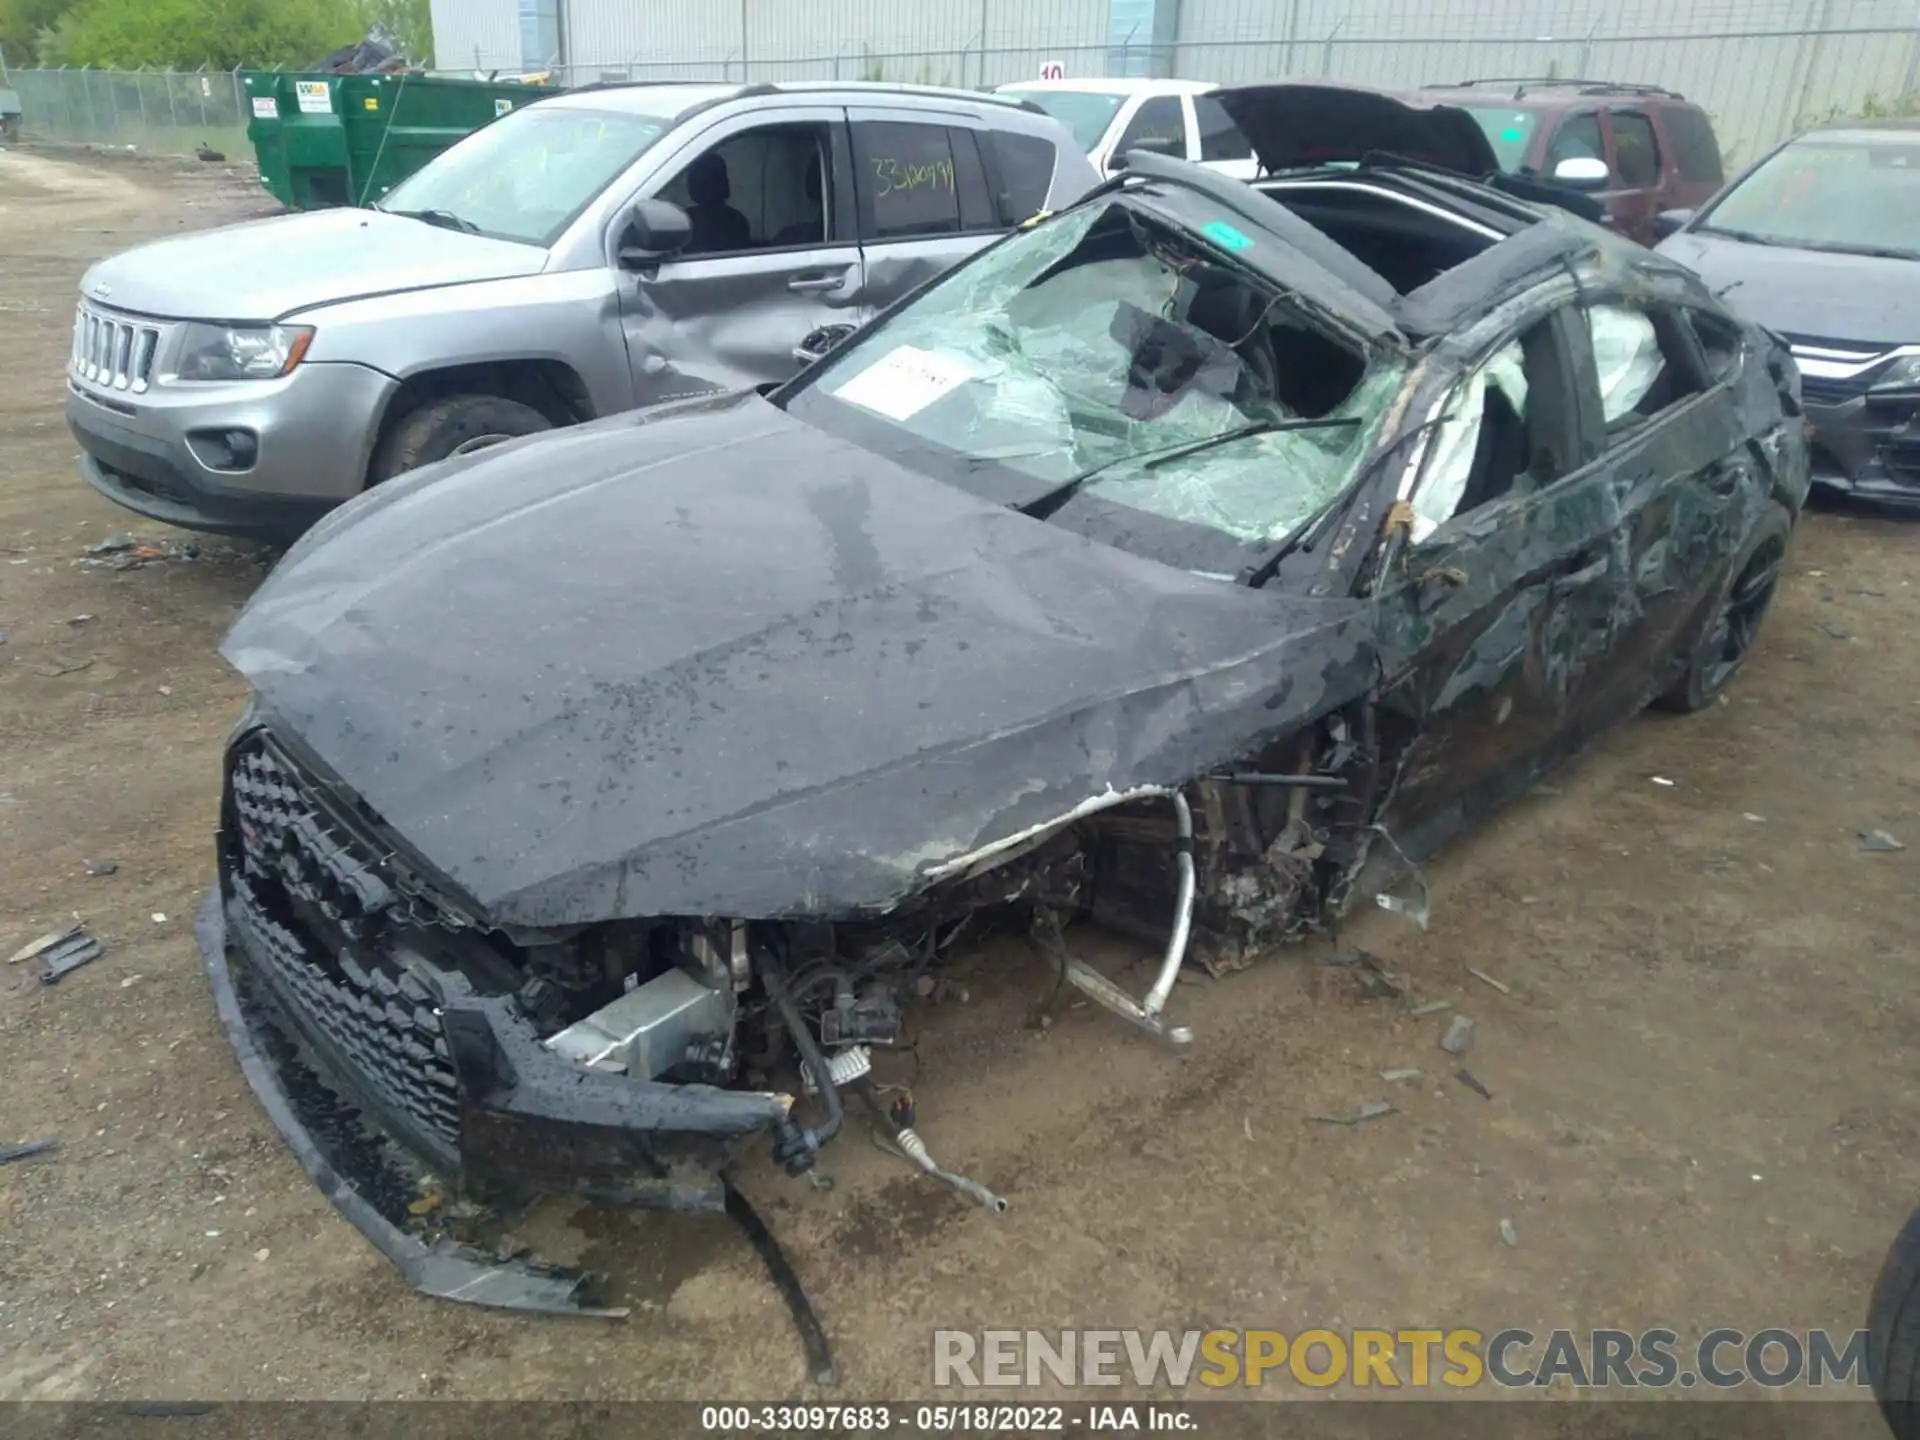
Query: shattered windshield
point(1105, 367)
point(1829, 193)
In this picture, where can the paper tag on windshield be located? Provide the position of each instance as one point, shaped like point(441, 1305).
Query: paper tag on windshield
point(903, 382)
point(313, 96)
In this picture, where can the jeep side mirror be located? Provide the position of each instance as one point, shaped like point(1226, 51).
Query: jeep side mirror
point(1581, 172)
point(654, 230)
point(1671, 222)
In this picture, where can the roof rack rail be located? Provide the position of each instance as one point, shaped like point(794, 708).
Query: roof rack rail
point(640, 84)
point(1522, 83)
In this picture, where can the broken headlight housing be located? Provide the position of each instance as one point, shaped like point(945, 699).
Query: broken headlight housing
point(1902, 374)
point(241, 352)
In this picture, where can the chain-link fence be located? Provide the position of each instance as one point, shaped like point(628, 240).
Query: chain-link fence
point(167, 112)
point(1759, 81)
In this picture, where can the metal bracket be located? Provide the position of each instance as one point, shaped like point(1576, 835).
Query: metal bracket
point(1103, 992)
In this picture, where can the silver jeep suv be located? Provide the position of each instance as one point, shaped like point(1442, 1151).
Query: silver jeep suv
point(605, 248)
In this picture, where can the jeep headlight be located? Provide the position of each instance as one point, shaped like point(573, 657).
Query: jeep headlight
point(241, 352)
point(1902, 374)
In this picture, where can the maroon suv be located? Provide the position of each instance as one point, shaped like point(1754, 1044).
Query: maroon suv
point(1659, 147)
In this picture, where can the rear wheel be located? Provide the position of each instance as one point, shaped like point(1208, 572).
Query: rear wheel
point(452, 425)
point(1893, 1333)
point(1735, 623)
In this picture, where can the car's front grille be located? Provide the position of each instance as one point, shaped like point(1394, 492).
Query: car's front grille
point(313, 907)
point(115, 352)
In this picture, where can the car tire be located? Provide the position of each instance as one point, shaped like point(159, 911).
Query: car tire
point(453, 425)
point(1893, 1333)
point(1733, 625)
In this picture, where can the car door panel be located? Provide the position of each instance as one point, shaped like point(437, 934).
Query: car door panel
point(895, 264)
point(1494, 634)
point(1500, 635)
point(1679, 476)
point(696, 324)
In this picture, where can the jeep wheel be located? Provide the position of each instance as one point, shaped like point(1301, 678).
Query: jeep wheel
point(455, 425)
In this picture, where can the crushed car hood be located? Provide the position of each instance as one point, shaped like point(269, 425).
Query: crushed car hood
point(717, 662)
point(1819, 294)
point(1294, 127)
point(272, 269)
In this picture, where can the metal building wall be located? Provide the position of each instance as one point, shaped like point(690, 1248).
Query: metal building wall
point(1762, 68)
point(953, 42)
point(476, 34)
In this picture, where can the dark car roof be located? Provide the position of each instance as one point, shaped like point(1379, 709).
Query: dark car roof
point(1549, 92)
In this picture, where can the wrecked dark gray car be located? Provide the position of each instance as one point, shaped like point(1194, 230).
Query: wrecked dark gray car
point(1194, 562)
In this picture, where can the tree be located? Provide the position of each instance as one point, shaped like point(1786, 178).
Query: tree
point(185, 34)
point(22, 23)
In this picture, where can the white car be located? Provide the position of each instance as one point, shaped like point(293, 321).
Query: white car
point(1110, 117)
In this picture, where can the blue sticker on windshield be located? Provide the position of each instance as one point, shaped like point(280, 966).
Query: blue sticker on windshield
point(1224, 235)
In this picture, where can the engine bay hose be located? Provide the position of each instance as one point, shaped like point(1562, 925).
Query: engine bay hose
point(1182, 909)
point(809, 1141)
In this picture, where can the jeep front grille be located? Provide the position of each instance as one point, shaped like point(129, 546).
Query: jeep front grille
point(112, 351)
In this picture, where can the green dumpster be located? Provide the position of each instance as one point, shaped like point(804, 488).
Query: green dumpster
point(324, 140)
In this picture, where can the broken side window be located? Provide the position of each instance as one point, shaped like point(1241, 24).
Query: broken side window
point(1480, 443)
point(1719, 341)
point(1640, 369)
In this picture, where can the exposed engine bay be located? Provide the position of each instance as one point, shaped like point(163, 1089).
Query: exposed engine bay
point(1255, 860)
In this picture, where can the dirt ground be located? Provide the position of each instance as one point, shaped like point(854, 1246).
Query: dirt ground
point(1702, 1079)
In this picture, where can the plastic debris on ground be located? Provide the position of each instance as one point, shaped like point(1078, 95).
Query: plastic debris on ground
point(1415, 903)
point(1486, 979)
point(1369, 1110)
point(1509, 1236)
point(131, 552)
point(1879, 842)
point(59, 952)
point(10, 1153)
point(1472, 1082)
point(1459, 1035)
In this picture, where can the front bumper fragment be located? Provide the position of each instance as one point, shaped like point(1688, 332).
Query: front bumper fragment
point(441, 1268)
point(529, 1121)
point(1868, 447)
